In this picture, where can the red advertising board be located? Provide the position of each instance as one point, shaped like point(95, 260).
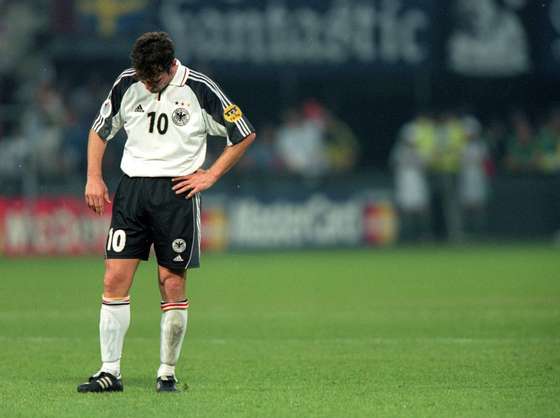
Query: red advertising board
point(49, 226)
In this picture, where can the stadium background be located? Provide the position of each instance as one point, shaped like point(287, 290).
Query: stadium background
point(331, 88)
point(410, 147)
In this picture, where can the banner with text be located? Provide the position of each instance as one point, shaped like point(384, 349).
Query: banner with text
point(64, 226)
point(373, 33)
point(470, 38)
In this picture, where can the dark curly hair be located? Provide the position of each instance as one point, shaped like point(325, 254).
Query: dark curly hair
point(152, 54)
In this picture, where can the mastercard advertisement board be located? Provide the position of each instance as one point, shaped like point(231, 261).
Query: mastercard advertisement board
point(65, 226)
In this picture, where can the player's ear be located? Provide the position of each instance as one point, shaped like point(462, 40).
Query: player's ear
point(174, 62)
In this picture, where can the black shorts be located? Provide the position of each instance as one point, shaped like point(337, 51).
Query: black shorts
point(147, 211)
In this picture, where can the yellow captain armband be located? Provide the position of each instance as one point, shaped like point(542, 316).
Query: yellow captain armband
point(232, 113)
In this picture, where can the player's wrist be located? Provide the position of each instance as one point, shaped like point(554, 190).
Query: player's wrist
point(214, 176)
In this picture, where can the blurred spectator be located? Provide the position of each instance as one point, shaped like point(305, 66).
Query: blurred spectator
point(411, 188)
point(342, 145)
point(521, 149)
point(301, 144)
point(47, 115)
point(473, 184)
point(423, 129)
point(20, 22)
point(548, 144)
point(447, 160)
point(450, 140)
point(14, 151)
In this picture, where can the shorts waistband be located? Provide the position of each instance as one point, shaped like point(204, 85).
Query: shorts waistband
point(148, 178)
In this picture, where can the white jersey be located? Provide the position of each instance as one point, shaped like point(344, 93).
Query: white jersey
point(167, 131)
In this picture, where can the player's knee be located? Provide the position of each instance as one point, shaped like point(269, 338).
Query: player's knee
point(115, 283)
point(174, 287)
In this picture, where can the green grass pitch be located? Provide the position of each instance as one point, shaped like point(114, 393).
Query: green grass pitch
point(403, 332)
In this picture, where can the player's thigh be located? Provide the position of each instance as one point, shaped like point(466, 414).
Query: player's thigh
point(119, 274)
point(129, 236)
point(177, 233)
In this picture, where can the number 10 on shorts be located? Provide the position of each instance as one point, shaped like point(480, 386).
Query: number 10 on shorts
point(116, 240)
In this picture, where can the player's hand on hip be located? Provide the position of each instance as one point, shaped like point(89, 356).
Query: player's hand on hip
point(96, 194)
point(194, 183)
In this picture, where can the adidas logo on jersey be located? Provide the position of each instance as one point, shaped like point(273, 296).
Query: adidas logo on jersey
point(139, 108)
point(178, 258)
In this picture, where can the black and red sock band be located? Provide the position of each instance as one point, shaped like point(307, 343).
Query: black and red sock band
point(168, 306)
point(115, 301)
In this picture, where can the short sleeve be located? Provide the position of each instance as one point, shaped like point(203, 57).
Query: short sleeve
point(222, 116)
point(109, 119)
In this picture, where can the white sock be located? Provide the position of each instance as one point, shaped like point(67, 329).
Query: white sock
point(173, 329)
point(114, 320)
point(166, 370)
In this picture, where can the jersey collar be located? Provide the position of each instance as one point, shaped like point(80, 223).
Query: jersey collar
point(181, 74)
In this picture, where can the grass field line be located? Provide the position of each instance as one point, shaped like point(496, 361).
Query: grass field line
point(338, 340)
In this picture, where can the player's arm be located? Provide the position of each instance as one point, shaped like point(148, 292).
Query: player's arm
point(96, 192)
point(222, 118)
point(108, 122)
point(204, 179)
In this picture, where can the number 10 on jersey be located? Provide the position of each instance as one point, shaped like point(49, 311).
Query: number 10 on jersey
point(162, 122)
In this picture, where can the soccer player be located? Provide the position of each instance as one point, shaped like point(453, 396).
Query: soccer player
point(166, 109)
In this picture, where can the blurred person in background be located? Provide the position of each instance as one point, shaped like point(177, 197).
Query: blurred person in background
point(343, 147)
point(300, 143)
point(25, 71)
point(411, 185)
point(473, 179)
point(340, 144)
point(450, 139)
point(521, 152)
point(167, 110)
point(15, 153)
point(423, 129)
point(547, 147)
point(20, 23)
point(46, 120)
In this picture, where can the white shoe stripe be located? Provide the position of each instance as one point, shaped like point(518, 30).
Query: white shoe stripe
point(102, 383)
